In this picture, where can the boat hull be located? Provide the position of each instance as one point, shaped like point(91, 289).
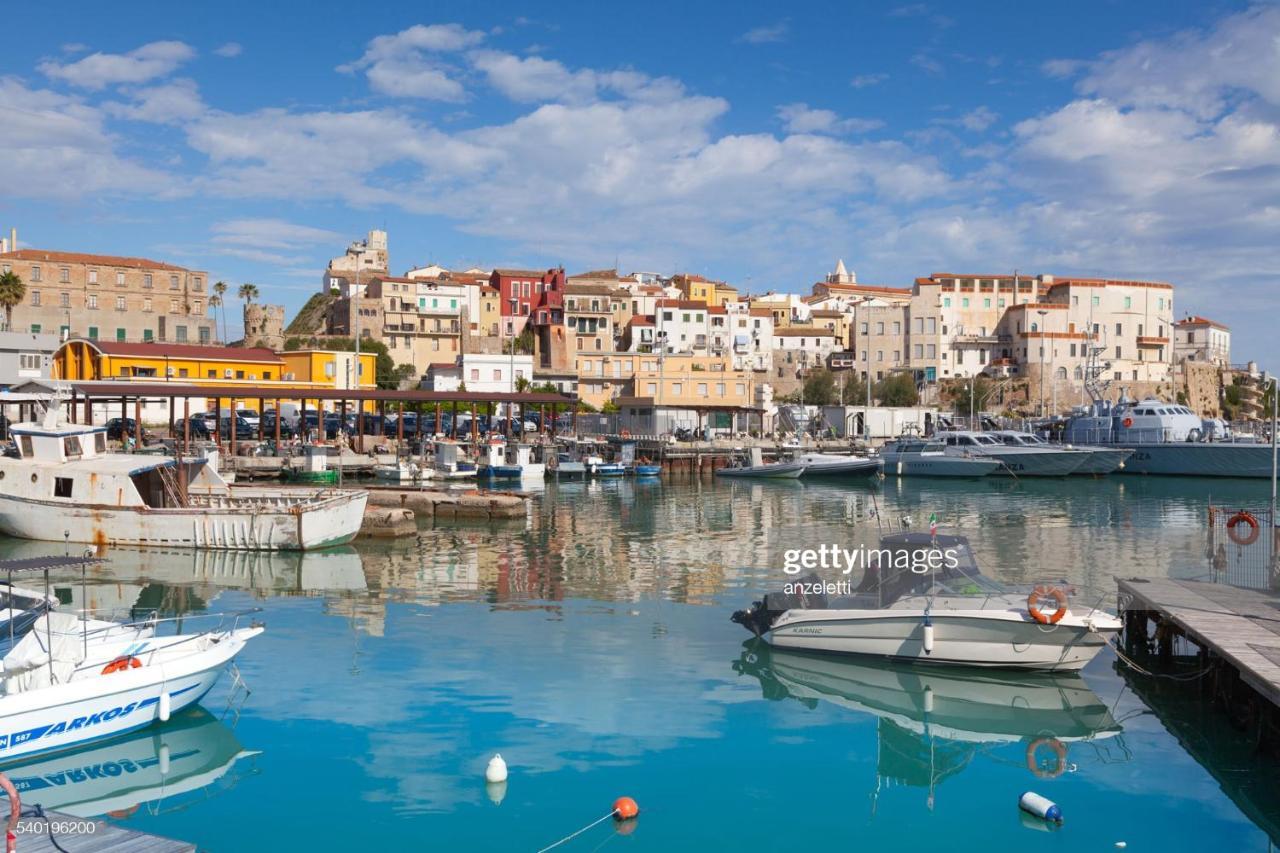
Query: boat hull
point(648, 470)
point(1050, 463)
point(851, 467)
point(1200, 459)
point(246, 521)
point(985, 640)
point(1103, 460)
point(916, 465)
point(776, 471)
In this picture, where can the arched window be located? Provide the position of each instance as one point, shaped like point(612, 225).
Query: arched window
point(1062, 373)
point(1079, 372)
point(1033, 327)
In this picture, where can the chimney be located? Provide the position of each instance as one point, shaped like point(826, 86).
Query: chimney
point(13, 240)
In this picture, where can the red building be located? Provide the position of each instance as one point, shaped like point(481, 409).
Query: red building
point(530, 297)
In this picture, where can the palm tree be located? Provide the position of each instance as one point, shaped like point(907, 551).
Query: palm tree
point(248, 292)
point(12, 292)
point(215, 302)
point(220, 289)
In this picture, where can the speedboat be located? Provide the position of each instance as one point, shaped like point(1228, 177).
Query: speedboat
point(922, 598)
point(1015, 460)
point(450, 463)
point(1096, 460)
point(919, 457)
point(401, 472)
point(753, 465)
point(72, 680)
point(512, 462)
point(837, 465)
point(645, 469)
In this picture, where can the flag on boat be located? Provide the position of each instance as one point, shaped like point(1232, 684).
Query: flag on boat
point(933, 524)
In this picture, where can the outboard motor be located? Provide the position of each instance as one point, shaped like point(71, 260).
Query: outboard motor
point(757, 620)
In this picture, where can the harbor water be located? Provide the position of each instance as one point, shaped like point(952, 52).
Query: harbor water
point(590, 645)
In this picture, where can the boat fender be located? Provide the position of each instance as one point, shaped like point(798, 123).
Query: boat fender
point(1040, 593)
point(1042, 807)
point(928, 700)
point(497, 769)
point(928, 635)
point(1194, 435)
point(1127, 422)
point(166, 706)
point(1246, 518)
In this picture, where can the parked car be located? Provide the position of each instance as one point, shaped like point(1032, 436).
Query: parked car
point(118, 428)
point(269, 426)
point(250, 416)
point(391, 424)
point(372, 424)
point(243, 429)
point(199, 428)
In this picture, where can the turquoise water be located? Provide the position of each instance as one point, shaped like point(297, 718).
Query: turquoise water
point(590, 645)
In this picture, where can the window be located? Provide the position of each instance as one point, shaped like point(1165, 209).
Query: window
point(62, 485)
point(92, 300)
point(146, 304)
point(1097, 300)
point(931, 351)
point(677, 388)
point(475, 374)
point(1000, 303)
point(946, 302)
point(29, 361)
point(146, 281)
point(120, 278)
point(651, 389)
point(986, 303)
point(173, 306)
point(864, 329)
point(119, 303)
point(173, 282)
point(93, 333)
point(497, 374)
point(197, 307)
point(35, 297)
point(918, 350)
point(1117, 352)
point(120, 335)
point(206, 336)
point(147, 335)
point(1119, 330)
point(964, 302)
point(879, 328)
point(181, 334)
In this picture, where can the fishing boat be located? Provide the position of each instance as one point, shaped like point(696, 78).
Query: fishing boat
point(403, 472)
point(449, 461)
point(311, 467)
point(753, 465)
point(923, 599)
point(837, 465)
point(910, 456)
point(505, 461)
point(645, 469)
point(73, 680)
point(567, 466)
point(1015, 460)
point(1096, 461)
point(65, 486)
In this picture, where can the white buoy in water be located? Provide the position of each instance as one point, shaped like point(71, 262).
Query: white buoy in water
point(928, 635)
point(164, 759)
point(166, 706)
point(1041, 807)
point(497, 769)
point(928, 700)
point(497, 791)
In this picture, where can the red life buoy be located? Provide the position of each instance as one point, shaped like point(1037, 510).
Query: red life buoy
point(1128, 422)
point(1246, 518)
point(1059, 753)
point(1042, 592)
point(120, 664)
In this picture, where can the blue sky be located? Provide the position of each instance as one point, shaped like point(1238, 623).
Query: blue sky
point(742, 142)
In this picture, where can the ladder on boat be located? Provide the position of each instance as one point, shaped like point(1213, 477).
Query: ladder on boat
point(169, 482)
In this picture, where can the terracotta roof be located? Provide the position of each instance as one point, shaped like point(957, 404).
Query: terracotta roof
point(874, 288)
point(1200, 321)
point(690, 304)
point(520, 273)
point(717, 309)
point(1109, 282)
point(442, 365)
point(596, 274)
point(159, 350)
point(640, 321)
point(760, 312)
point(806, 331)
point(825, 312)
point(40, 255)
point(573, 288)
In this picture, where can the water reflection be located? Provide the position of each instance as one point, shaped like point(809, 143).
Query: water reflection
point(158, 768)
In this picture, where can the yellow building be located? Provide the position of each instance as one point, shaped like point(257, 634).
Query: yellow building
point(490, 311)
point(679, 379)
point(84, 360)
point(695, 288)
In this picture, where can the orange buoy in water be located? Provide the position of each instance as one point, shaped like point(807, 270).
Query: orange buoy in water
point(625, 808)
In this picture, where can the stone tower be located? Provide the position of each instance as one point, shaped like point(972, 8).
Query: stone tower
point(264, 325)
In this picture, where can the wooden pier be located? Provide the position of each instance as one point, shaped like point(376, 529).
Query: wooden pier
point(1234, 637)
point(87, 835)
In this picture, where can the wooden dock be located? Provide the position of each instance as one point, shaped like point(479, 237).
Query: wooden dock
point(74, 835)
point(1236, 636)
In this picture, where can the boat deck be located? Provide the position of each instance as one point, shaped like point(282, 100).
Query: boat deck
point(1238, 626)
point(103, 838)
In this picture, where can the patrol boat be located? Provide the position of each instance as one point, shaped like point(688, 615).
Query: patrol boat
point(1096, 460)
point(923, 599)
point(920, 457)
point(64, 485)
point(1015, 460)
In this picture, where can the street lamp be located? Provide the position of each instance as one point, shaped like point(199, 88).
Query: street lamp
point(1043, 313)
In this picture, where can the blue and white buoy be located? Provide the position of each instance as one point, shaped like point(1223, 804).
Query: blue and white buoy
point(1041, 807)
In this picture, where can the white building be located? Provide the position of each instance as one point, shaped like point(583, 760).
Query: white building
point(1198, 339)
point(489, 372)
point(803, 348)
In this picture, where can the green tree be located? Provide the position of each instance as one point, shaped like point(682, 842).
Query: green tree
point(522, 384)
point(220, 293)
point(820, 388)
point(897, 389)
point(12, 292)
point(961, 395)
point(851, 390)
point(248, 292)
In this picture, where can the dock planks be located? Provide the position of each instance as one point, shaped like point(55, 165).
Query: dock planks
point(105, 837)
point(1240, 626)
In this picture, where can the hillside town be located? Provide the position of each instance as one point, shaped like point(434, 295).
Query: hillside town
point(644, 343)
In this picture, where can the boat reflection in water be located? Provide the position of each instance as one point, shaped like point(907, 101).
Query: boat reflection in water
point(933, 721)
point(154, 767)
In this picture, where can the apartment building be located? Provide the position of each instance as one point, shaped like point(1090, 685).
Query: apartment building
point(1199, 339)
point(679, 379)
point(801, 348)
point(109, 297)
point(362, 261)
point(422, 321)
point(879, 339)
point(594, 317)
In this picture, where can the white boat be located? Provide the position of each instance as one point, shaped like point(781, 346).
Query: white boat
point(450, 463)
point(838, 465)
point(1096, 460)
point(923, 599)
point(512, 461)
point(65, 486)
point(1015, 460)
point(909, 456)
point(402, 472)
point(191, 752)
point(73, 680)
point(753, 465)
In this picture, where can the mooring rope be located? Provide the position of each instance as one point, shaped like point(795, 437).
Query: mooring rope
point(574, 835)
point(1115, 647)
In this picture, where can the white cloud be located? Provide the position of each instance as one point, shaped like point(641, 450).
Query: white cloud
point(230, 50)
point(172, 102)
point(531, 79)
point(976, 120)
point(863, 81)
point(767, 34)
point(409, 64)
point(99, 70)
point(927, 62)
point(270, 233)
point(801, 118)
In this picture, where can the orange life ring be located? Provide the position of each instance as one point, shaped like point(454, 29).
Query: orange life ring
point(1041, 592)
point(1059, 753)
point(1243, 517)
point(626, 433)
point(1128, 422)
point(120, 664)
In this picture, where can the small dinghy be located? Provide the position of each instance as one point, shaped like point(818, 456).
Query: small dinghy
point(755, 466)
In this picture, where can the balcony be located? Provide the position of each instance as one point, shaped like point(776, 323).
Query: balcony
point(981, 340)
point(1149, 341)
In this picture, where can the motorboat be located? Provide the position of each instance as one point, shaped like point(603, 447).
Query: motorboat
point(512, 461)
point(1015, 460)
point(74, 679)
point(922, 598)
point(838, 465)
point(645, 469)
point(909, 456)
point(568, 466)
point(450, 463)
point(64, 485)
point(753, 465)
point(405, 472)
point(1166, 438)
point(1097, 461)
point(191, 752)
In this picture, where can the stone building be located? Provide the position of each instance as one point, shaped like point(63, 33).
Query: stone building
point(264, 325)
